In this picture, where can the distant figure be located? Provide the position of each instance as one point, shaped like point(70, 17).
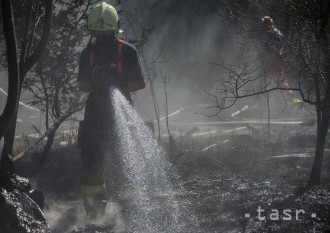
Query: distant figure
point(104, 63)
point(274, 47)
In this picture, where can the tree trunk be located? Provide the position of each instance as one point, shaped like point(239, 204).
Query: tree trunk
point(323, 106)
point(25, 65)
point(155, 103)
point(268, 117)
point(46, 149)
point(13, 72)
point(7, 118)
point(315, 178)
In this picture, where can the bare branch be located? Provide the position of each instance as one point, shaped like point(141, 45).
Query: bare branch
point(76, 105)
point(31, 60)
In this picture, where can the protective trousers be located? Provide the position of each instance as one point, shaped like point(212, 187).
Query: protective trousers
point(94, 144)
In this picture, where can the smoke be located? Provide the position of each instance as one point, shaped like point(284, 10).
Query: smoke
point(188, 36)
point(65, 217)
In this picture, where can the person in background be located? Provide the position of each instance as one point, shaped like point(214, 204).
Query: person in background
point(274, 53)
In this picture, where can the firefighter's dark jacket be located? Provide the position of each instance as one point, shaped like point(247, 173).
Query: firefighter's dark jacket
point(98, 111)
point(107, 55)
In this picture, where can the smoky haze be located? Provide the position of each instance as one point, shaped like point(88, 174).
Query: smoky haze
point(189, 36)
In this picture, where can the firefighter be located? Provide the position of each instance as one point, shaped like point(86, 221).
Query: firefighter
point(274, 58)
point(274, 35)
point(106, 61)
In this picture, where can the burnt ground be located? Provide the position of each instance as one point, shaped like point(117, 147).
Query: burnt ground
point(219, 186)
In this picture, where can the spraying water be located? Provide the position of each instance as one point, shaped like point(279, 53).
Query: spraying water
point(152, 204)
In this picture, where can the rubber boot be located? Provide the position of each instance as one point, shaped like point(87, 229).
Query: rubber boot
point(94, 207)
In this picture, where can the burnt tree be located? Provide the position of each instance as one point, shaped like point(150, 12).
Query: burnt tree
point(9, 112)
point(30, 52)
